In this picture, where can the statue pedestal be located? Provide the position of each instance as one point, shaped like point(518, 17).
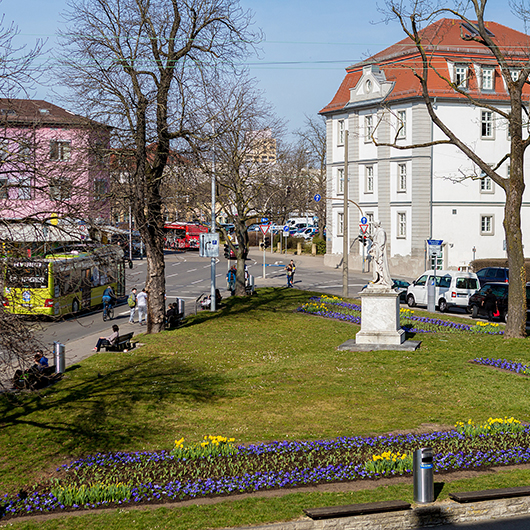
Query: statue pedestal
point(380, 318)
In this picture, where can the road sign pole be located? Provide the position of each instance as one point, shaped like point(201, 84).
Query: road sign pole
point(345, 242)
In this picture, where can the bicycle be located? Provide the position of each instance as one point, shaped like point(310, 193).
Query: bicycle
point(108, 311)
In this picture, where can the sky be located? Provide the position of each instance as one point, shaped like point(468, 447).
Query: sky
point(307, 45)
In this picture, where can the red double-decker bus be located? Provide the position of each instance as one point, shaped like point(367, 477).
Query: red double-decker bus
point(183, 236)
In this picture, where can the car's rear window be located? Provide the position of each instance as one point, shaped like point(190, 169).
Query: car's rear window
point(467, 283)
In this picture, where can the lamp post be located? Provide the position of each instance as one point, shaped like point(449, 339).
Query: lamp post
point(474, 250)
point(345, 242)
point(213, 300)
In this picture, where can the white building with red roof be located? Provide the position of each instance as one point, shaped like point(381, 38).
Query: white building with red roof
point(423, 193)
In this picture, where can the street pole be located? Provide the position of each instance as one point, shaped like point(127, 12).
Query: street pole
point(213, 301)
point(264, 255)
point(345, 242)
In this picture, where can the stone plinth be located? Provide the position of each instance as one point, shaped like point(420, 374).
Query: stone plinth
point(380, 318)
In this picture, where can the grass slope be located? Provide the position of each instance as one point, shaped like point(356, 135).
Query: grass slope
point(256, 371)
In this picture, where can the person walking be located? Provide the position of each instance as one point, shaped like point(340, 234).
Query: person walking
point(490, 304)
point(141, 302)
point(131, 302)
point(289, 274)
point(293, 270)
point(231, 280)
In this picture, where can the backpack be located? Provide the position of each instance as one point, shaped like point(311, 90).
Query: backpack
point(131, 300)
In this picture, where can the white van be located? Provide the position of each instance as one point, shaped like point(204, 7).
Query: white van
point(453, 289)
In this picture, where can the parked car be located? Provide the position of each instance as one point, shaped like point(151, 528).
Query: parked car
point(401, 287)
point(493, 274)
point(500, 290)
point(452, 289)
point(306, 233)
point(253, 228)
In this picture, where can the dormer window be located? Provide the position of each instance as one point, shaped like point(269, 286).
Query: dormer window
point(461, 75)
point(488, 74)
point(368, 86)
point(514, 74)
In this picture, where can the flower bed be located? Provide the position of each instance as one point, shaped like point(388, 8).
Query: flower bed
point(143, 477)
point(504, 364)
point(338, 309)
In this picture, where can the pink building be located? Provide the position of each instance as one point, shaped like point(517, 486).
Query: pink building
point(53, 163)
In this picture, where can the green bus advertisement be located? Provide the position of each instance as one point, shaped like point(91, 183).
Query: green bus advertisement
point(62, 283)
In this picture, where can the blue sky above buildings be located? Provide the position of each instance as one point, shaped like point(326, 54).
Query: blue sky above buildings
point(307, 46)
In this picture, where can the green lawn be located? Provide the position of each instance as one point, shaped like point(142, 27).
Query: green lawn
point(256, 371)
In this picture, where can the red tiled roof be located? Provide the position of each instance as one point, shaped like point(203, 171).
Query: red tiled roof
point(38, 112)
point(445, 42)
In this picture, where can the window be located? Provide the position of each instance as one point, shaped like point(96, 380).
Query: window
point(60, 189)
point(340, 135)
point(340, 180)
point(514, 75)
point(402, 177)
point(100, 189)
point(340, 224)
point(24, 188)
point(486, 184)
point(368, 128)
point(486, 225)
point(461, 76)
point(24, 150)
point(487, 78)
point(402, 225)
point(59, 150)
point(370, 219)
point(4, 150)
point(4, 183)
point(486, 124)
point(402, 124)
point(369, 179)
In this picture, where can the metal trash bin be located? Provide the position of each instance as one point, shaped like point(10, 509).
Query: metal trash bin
point(422, 469)
point(181, 306)
point(59, 352)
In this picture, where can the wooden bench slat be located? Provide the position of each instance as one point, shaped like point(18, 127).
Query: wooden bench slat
point(356, 509)
point(484, 495)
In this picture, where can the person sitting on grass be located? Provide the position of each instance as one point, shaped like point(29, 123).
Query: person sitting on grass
point(110, 340)
point(41, 362)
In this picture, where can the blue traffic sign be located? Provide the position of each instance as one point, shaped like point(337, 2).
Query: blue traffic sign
point(286, 228)
point(364, 220)
point(317, 197)
point(264, 219)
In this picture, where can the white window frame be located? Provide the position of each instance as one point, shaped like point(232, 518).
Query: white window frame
point(402, 124)
point(25, 188)
point(486, 125)
point(340, 181)
point(340, 224)
point(486, 183)
point(369, 179)
point(63, 150)
point(461, 75)
point(487, 78)
point(401, 227)
point(368, 127)
point(487, 224)
point(371, 220)
point(514, 74)
point(402, 178)
point(341, 127)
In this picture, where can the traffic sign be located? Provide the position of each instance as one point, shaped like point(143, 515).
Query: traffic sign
point(364, 221)
point(264, 220)
point(286, 230)
point(264, 228)
point(363, 228)
point(317, 197)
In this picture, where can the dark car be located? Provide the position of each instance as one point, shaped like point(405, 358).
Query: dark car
point(401, 287)
point(500, 290)
point(492, 274)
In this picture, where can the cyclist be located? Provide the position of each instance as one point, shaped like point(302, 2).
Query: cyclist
point(108, 299)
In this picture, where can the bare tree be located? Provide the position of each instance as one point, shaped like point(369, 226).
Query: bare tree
point(413, 17)
point(245, 152)
point(313, 138)
point(140, 65)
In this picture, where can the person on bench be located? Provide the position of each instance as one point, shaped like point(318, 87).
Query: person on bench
point(108, 341)
point(40, 361)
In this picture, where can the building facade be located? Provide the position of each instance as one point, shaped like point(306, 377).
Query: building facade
point(53, 164)
point(416, 192)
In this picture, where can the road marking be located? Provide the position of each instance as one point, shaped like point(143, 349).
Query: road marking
point(191, 270)
point(171, 275)
point(197, 281)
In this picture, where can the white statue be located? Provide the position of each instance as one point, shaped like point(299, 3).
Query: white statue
point(380, 263)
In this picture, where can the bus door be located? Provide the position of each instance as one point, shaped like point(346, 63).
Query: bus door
point(86, 289)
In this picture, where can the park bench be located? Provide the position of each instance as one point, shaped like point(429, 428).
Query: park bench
point(124, 343)
point(33, 379)
point(356, 509)
point(488, 495)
